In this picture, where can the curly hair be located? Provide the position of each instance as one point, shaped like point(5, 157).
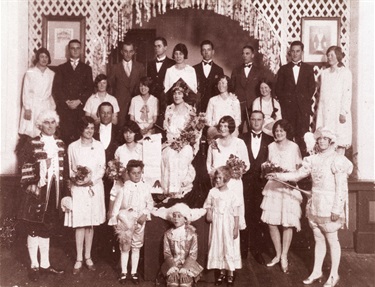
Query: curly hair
point(41, 51)
point(133, 164)
point(286, 126)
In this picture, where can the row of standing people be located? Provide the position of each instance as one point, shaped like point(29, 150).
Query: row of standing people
point(72, 86)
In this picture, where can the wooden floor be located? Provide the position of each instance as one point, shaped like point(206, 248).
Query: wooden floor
point(356, 270)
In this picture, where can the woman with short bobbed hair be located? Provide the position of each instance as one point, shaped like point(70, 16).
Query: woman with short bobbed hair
point(224, 104)
point(180, 70)
point(327, 208)
point(91, 107)
point(334, 108)
point(36, 93)
point(85, 208)
point(220, 150)
point(281, 204)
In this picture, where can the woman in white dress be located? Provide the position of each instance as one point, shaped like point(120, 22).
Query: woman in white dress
point(36, 93)
point(269, 106)
point(87, 190)
point(93, 102)
point(281, 204)
point(144, 107)
point(334, 108)
point(219, 152)
point(224, 104)
point(177, 170)
point(180, 70)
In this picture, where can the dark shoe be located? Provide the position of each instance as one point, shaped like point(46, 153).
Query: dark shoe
point(90, 265)
point(122, 278)
point(230, 281)
point(34, 274)
point(220, 279)
point(77, 267)
point(135, 278)
point(51, 270)
point(259, 258)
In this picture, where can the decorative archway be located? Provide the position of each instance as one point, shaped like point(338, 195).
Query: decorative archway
point(137, 12)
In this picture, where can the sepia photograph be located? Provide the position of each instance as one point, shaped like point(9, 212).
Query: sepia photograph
point(187, 143)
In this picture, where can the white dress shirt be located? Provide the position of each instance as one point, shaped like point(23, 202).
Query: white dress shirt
point(255, 143)
point(105, 132)
point(207, 68)
point(158, 65)
point(296, 71)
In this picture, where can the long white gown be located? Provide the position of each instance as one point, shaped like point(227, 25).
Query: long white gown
point(224, 251)
point(335, 99)
point(37, 97)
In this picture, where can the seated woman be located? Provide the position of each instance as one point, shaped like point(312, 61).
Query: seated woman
point(144, 107)
point(180, 70)
point(183, 134)
point(224, 104)
point(101, 96)
point(268, 105)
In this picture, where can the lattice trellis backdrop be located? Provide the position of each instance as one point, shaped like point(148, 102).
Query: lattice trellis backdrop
point(281, 18)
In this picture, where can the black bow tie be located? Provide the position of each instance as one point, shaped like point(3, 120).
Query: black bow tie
point(159, 61)
point(207, 63)
point(297, 64)
point(248, 65)
point(256, 135)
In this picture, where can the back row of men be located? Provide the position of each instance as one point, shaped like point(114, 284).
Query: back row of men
point(73, 83)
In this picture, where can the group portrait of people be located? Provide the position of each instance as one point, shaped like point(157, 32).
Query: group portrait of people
point(226, 149)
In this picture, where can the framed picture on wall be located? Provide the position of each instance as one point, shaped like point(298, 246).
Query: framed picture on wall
point(58, 31)
point(318, 34)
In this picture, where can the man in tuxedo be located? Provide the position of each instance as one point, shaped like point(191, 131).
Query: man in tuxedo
point(207, 75)
point(72, 86)
point(107, 134)
point(245, 79)
point(254, 236)
point(157, 68)
point(295, 88)
point(124, 80)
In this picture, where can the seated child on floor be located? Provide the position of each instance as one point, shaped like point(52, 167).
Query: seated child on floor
point(131, 209)
point(180, 245)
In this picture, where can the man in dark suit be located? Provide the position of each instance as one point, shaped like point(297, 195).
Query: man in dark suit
point(245, 79)
point(156, 69)
point(295, 88)
point(107, 134)
point(207, 75)
point(72, 86)
point(256, 232)
point(124, 80)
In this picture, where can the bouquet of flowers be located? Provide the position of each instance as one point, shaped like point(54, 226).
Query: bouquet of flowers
point(82, 173)
point(191, 133)
point(237, 166)
point(114, 170)
point(269, 167)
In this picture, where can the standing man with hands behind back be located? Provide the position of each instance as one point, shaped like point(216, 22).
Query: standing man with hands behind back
point(295, 88)
point(72, 86)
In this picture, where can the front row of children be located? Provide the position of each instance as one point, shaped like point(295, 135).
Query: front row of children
point(133, 205)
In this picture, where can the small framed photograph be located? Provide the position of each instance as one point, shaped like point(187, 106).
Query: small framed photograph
point(318, 34)
point(58, 31)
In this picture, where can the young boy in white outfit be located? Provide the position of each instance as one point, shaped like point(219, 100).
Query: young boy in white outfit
point(131, 209)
